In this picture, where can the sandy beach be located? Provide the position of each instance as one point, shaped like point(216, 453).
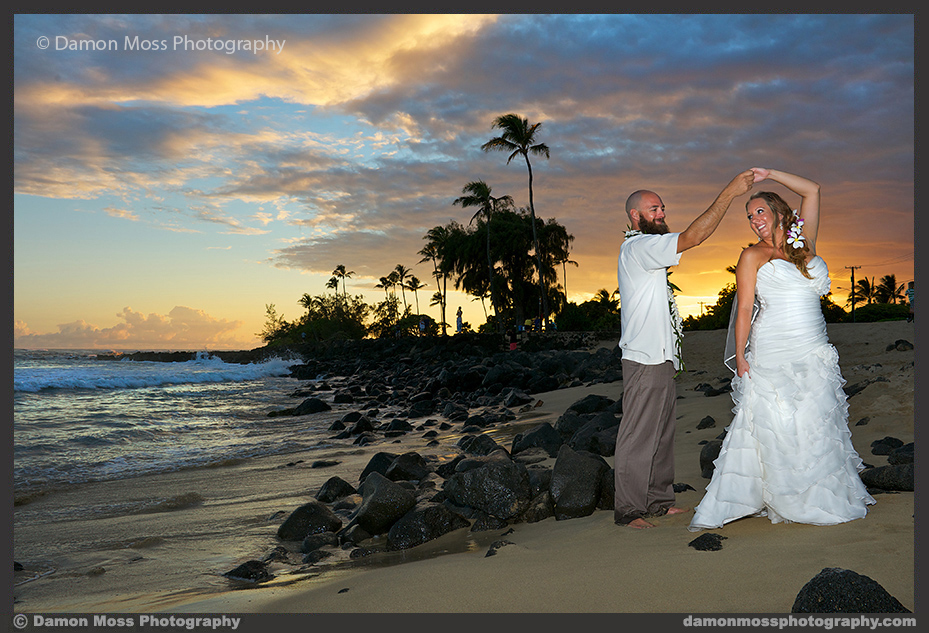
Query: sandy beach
point(172, 561)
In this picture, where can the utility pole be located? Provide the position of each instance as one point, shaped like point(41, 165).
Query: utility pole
point(853, 290)
point(701, 307)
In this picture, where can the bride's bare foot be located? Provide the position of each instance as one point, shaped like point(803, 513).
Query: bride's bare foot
point(676, 510)
point(640, 524)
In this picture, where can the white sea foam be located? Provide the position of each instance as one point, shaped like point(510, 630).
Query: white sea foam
point(78, 419)
point(129, 374)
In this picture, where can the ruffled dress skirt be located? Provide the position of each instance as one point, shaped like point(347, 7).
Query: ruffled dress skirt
point(788, 452)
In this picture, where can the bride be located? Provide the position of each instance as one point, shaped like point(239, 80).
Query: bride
point(788, 453)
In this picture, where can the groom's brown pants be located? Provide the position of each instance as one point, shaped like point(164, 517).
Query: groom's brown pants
point(644, 458)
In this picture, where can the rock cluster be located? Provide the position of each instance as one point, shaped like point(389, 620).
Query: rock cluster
point(407, 499)
point(899, 473)
point(403, 500)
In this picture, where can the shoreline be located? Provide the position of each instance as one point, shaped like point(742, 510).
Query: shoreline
point(584, 564)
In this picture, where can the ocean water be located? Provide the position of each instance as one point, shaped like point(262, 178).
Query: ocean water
point(77, 419)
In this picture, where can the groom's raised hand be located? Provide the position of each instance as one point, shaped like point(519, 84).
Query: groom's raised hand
point(760, 173)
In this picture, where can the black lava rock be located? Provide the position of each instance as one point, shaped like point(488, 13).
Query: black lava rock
point(408, 467)
point(335, 488)
point(835, 590)
point(885, 446)
point(575, 484)
point(706, 423)
point(499, 487)
point(708, 542)
point(543, 436)
point(384, 502)
point(379, 463)
point(899, 477)
point(425, 522)
point(708, 455)
point(253, 570)
point(312, 518)
point(903, 455)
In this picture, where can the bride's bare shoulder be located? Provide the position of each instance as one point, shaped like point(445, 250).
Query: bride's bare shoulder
point(755, 255)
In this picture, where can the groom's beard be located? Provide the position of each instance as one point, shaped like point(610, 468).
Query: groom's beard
point(655, 227)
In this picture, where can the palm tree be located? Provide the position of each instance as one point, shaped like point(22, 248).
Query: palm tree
point(430, 252)
point(478, 195)
point(385, 283)
point(564, 272)
point(555, 247)
point(887, 291)
point(415, 285)
point(402, 273)
point(393, 280)
point(518, 138)
point(863, 290)
point(607, 300)
point(341, 273)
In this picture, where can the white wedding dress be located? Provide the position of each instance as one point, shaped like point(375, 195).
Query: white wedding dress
point(788, 453)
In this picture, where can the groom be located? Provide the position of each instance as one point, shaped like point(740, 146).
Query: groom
point(644, 457)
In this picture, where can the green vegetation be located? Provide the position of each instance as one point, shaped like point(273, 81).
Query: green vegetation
point(511, 257)
point(881, 305)
point(599, 314)
point(880, 312)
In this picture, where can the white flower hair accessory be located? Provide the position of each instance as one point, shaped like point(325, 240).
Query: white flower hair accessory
point(795, 233)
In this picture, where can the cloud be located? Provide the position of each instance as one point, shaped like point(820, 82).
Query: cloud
point(358, 136)
point(182, 328)
point(121, 213)
point(371, 254)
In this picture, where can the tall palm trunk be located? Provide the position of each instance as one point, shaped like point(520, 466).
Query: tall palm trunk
point(535, 245)
point(493, 286)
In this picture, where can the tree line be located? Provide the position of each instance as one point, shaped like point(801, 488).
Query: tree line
point(505, 255)
point(881, 303)
point(511, 258)
point(456, 254)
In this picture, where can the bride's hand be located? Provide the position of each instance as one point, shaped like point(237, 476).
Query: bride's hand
point(741, 367)
point(760, 173)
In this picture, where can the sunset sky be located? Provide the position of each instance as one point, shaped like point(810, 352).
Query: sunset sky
point(171, 180)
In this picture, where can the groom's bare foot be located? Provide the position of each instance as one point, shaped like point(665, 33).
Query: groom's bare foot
point(640, 524)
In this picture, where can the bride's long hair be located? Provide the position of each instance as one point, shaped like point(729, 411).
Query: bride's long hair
point(786, 218)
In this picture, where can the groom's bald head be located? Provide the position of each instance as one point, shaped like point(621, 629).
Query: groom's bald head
point(645, 211)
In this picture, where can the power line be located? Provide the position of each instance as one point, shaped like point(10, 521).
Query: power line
point(896, 260)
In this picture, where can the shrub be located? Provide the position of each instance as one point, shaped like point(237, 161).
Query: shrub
point(879, 312)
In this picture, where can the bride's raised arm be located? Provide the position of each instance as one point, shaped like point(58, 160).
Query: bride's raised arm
point(806, 189)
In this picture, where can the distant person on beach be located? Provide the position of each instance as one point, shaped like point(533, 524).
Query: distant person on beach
point(458, 320)
point(788, 452)
point(422, 326)
point(513, 339)
point(910, 295)
point(650, 343)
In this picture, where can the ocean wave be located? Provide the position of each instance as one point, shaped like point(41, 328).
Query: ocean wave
point(128, 374)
